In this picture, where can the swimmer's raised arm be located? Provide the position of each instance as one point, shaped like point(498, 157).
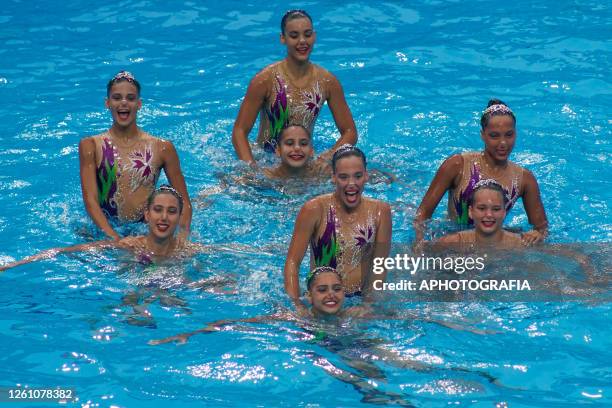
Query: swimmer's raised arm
point(534, 209)
point(305, 226)
point(89, 189)
point(441, 183)
point(253, 100)
point(172, 168)
point(51, 253)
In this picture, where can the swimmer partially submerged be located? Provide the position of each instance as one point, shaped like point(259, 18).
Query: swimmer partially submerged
point(120, 167)
point(162, 214)
point(326, 296)
point(487, 208)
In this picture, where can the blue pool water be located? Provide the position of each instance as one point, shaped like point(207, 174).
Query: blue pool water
point(416, 78)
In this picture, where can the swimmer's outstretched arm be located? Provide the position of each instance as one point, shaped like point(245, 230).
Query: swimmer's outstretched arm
point(51, 253)
point(305, 227)
point(217, 325)
point(89, 188)
point(253, 100)
point(534, 209)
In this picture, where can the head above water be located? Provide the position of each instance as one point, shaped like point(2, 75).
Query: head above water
point(495, 107)
point(166, 189)
point(325, 291)
point(291, 129)
point(293, 15)
point(488, 184)
point(319, 270)
point(347, 150)
point(122, 76)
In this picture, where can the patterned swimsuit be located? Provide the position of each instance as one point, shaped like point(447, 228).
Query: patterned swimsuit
point(473, 167)
point(336, 250)
point(139, 166)
point(290, 105)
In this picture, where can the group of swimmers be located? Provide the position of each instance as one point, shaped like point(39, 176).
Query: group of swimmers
point(344, 229)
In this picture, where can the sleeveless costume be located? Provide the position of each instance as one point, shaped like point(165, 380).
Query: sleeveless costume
point(337, 250)
point(474, 170)
point(288, 104)
point(139, 165)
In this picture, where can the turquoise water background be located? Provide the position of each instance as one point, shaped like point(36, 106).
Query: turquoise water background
point(416, 76)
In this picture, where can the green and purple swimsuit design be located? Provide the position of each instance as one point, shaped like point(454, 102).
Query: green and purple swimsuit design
point(107, 174)
point(291, 106)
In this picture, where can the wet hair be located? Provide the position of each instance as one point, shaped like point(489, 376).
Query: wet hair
point(347, 150)
point(293, 15)
point(122, 76)
point(499, 109)
point(282, 132)
point(319, 270)
point(166, 189)
point(488, 184)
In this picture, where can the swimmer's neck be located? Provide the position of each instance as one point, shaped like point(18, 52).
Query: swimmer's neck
point(160, 247)
point(326, 317)
point(124, 132)
point(489, 239)
point(297, 69)
point(284, 171)
point(492, 163)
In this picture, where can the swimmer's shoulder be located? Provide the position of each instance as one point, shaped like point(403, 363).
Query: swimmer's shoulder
point(267, 72)
point(318, 203)
point(378, 205)
point(512, 239)
point(90, 144)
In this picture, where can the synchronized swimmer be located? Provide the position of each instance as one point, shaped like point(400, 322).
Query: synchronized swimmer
point(291, 91)
point(120, 167)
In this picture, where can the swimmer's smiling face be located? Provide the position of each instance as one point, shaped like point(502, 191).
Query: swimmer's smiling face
point(299, 37)
point(487, 211)
point(326, 293)
point(124, 102)
point(499, 137)
point(350, 177)
point(163, 216)
point(295, 147)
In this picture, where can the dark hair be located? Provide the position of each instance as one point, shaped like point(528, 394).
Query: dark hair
point(488, 184)
point(292, 15)
point(486, 115)
point(319, 270)
point(347, 150)
point(122, 76)
point(282, 132)
point(166, 189)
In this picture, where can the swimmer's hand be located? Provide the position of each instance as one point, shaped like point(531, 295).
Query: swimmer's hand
point(321, 165)
point(179, 339)
point(532, 237)
point(182, 338)
point(358, 311)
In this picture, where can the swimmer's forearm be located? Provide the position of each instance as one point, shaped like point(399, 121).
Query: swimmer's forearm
point(242, 147)
point(98, 217)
